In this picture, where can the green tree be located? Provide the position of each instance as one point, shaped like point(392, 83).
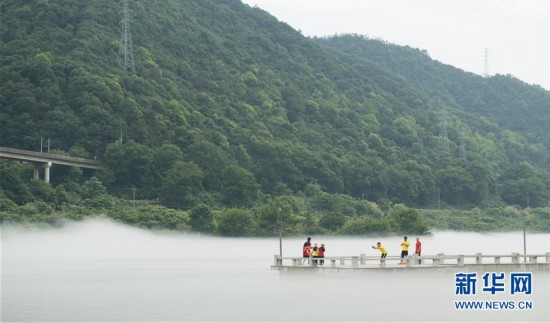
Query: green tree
point(131, 164)
point(404, 220)
point(202, 219)
point(182, 185)
point(403, 131)
point(332, 221)
point(521, 182)
point(92, 188)
point(12, 184)
point(212, 160)
point(411, 183)
point(41, 190)
point(530, 190)
point(165, 156)
point(236, 223)
point(365, 225)
point(6, 204)
point(365, 176)
point(239, 186)
point(457, 186)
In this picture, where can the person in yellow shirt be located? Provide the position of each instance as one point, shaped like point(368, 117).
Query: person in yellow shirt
point(383, 250)
point(404, 249)
point(315, 254)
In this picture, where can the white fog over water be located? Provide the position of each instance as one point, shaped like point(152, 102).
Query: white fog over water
point(100, 271)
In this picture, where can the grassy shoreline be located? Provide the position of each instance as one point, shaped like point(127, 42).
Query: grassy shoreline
point(247, 222)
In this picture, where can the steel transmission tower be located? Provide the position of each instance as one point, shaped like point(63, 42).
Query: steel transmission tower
point(443, 142)
point(126, 50)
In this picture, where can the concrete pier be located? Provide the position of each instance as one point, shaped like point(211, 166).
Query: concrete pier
point(440, 262)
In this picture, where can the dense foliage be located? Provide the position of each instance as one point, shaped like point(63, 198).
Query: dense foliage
point(232, 114)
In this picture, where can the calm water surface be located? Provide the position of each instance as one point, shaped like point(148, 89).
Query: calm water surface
point(98, 271)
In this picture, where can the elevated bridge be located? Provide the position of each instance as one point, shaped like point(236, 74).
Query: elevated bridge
point(46, 160)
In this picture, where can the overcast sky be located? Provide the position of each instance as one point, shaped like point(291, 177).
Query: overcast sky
point(456, 32)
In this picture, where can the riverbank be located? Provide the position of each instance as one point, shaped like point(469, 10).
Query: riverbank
point(501, 219)
point(148, 215)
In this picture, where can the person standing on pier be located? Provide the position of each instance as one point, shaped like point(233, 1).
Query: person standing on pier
point(404, 250)
point(306, 251)
point(322, 254)
point(383, 250)
point(308, 242)
point(315, 254)
point(418, 249)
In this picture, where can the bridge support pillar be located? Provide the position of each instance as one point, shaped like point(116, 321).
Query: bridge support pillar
point(36, 170)
point(47, 172)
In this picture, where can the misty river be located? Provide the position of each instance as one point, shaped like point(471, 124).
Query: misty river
point(101, 271)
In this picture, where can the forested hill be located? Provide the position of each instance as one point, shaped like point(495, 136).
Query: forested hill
point(507, 101)
point(231, 108)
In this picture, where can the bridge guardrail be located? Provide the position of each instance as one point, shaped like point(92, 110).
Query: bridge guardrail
point(439, 260)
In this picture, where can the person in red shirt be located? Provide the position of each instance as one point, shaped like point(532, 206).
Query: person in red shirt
point(322, 254)
point(418, 249)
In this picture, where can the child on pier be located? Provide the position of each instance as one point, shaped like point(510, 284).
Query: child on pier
point(315, 253)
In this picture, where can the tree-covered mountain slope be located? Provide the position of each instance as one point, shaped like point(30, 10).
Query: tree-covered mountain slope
point(504, 100)
point(231, 108)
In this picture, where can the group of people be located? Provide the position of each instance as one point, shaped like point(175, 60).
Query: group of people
point(316, 251)
point(313, 252)
point(404, 249)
